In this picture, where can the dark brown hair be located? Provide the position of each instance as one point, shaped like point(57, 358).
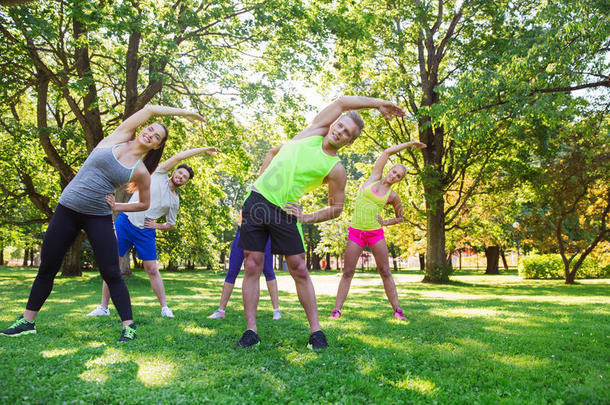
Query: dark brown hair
point(188, 169)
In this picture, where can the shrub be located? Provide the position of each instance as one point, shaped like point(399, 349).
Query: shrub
point(551, 266)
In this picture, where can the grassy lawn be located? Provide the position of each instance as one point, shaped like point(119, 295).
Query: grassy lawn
point(480, 339)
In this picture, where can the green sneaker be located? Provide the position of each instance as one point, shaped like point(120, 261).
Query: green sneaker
point(128, 334)
point(21, 327)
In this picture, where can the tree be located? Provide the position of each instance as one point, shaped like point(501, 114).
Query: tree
point(465, 70)
point(569, 207)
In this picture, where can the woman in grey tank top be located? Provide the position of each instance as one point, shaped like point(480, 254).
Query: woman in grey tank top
point(87, 203)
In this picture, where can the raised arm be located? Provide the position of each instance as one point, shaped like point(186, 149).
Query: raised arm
point(382, 160)
point(398, 215)
point(125, 131)
point(322, 122)
point(336, 180)
point(170, 163)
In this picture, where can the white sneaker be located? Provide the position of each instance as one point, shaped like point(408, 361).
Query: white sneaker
point(217, 315)
point(99, 311)
point(166, 312)
point(277, 315)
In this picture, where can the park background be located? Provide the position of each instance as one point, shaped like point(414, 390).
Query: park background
point(511, 98)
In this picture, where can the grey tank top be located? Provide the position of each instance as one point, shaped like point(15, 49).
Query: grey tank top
point(100, 175)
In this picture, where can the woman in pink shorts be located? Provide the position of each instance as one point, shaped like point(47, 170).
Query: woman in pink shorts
point(366, 227)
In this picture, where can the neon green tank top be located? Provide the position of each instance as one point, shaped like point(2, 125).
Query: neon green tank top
point(299, 167)
point(367, 206)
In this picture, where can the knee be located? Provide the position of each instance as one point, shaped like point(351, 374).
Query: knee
point(385, 272)
point(349, 273)
point(151, 269)
point(299, 271)
point(253, 265)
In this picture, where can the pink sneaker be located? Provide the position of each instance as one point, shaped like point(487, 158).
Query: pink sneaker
point(335, 314)
point(398, 314)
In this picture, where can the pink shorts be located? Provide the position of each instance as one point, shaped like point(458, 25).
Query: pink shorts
point(363, 238)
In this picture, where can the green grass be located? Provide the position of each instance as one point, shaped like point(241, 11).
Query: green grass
point(479, 339)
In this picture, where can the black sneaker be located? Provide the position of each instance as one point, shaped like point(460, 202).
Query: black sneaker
point(248, 339)
point(21, 327)
point(317, 341)
point(128, 334)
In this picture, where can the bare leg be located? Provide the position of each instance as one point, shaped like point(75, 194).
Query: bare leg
point(227, 290)
point(250, 287)
point(273, 293)
point(352, 253)
point(380, 252)
point(305, 290)
point(156, 282)
point(105, 295)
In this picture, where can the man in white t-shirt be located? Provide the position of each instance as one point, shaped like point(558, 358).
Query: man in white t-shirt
point(139, 229)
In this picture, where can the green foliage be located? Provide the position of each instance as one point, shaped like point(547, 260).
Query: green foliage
point(551, 266)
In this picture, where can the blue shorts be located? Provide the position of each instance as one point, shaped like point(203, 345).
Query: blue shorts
point(129, 235)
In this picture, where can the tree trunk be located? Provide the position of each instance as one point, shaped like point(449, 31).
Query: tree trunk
point(460, 256)
point(504, 262)
point(32, 250)
point(71, 266)
point(125, 265)
point(570, 275)
point(437, 270)
point(26, 253)
point(492, 254)
point(393, 253)
point(1, 255)
point(281, 262)
point(327, 267)
point(315, 261)
point(422, 262)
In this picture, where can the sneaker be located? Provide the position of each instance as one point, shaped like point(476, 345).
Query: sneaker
point(317, 341)
point(399, 314)
point(128, 334)
point(21, 327)
point(99, 311)
point(217, 315)
point(335, 314)
point(277, 314)
point(248, 339)
point(166, 312)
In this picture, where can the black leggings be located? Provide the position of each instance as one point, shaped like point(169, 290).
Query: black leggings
point(62, 231)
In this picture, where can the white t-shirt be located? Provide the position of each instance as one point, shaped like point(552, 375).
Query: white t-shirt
point(162, 201)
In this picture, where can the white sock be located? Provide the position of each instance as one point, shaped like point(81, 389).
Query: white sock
point(276, 310)
point(222, 311)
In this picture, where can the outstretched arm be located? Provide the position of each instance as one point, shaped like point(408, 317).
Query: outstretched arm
point(382, 160)
point(336, 198)
point(170, 163)
point(322, 122)
point(397, 204)
point(125, 131)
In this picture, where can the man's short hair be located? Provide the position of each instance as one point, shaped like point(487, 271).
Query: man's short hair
point(357, 120)
point(188, 169)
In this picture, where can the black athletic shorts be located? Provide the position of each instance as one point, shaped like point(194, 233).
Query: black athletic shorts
point(261, 219)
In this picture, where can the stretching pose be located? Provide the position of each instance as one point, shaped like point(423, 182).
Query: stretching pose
point(236, 259)
point(366, 227)
point(271, 210)
point(138, 229)
point(85, 204)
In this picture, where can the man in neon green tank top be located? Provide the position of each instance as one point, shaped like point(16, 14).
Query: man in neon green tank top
point(271, 210)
